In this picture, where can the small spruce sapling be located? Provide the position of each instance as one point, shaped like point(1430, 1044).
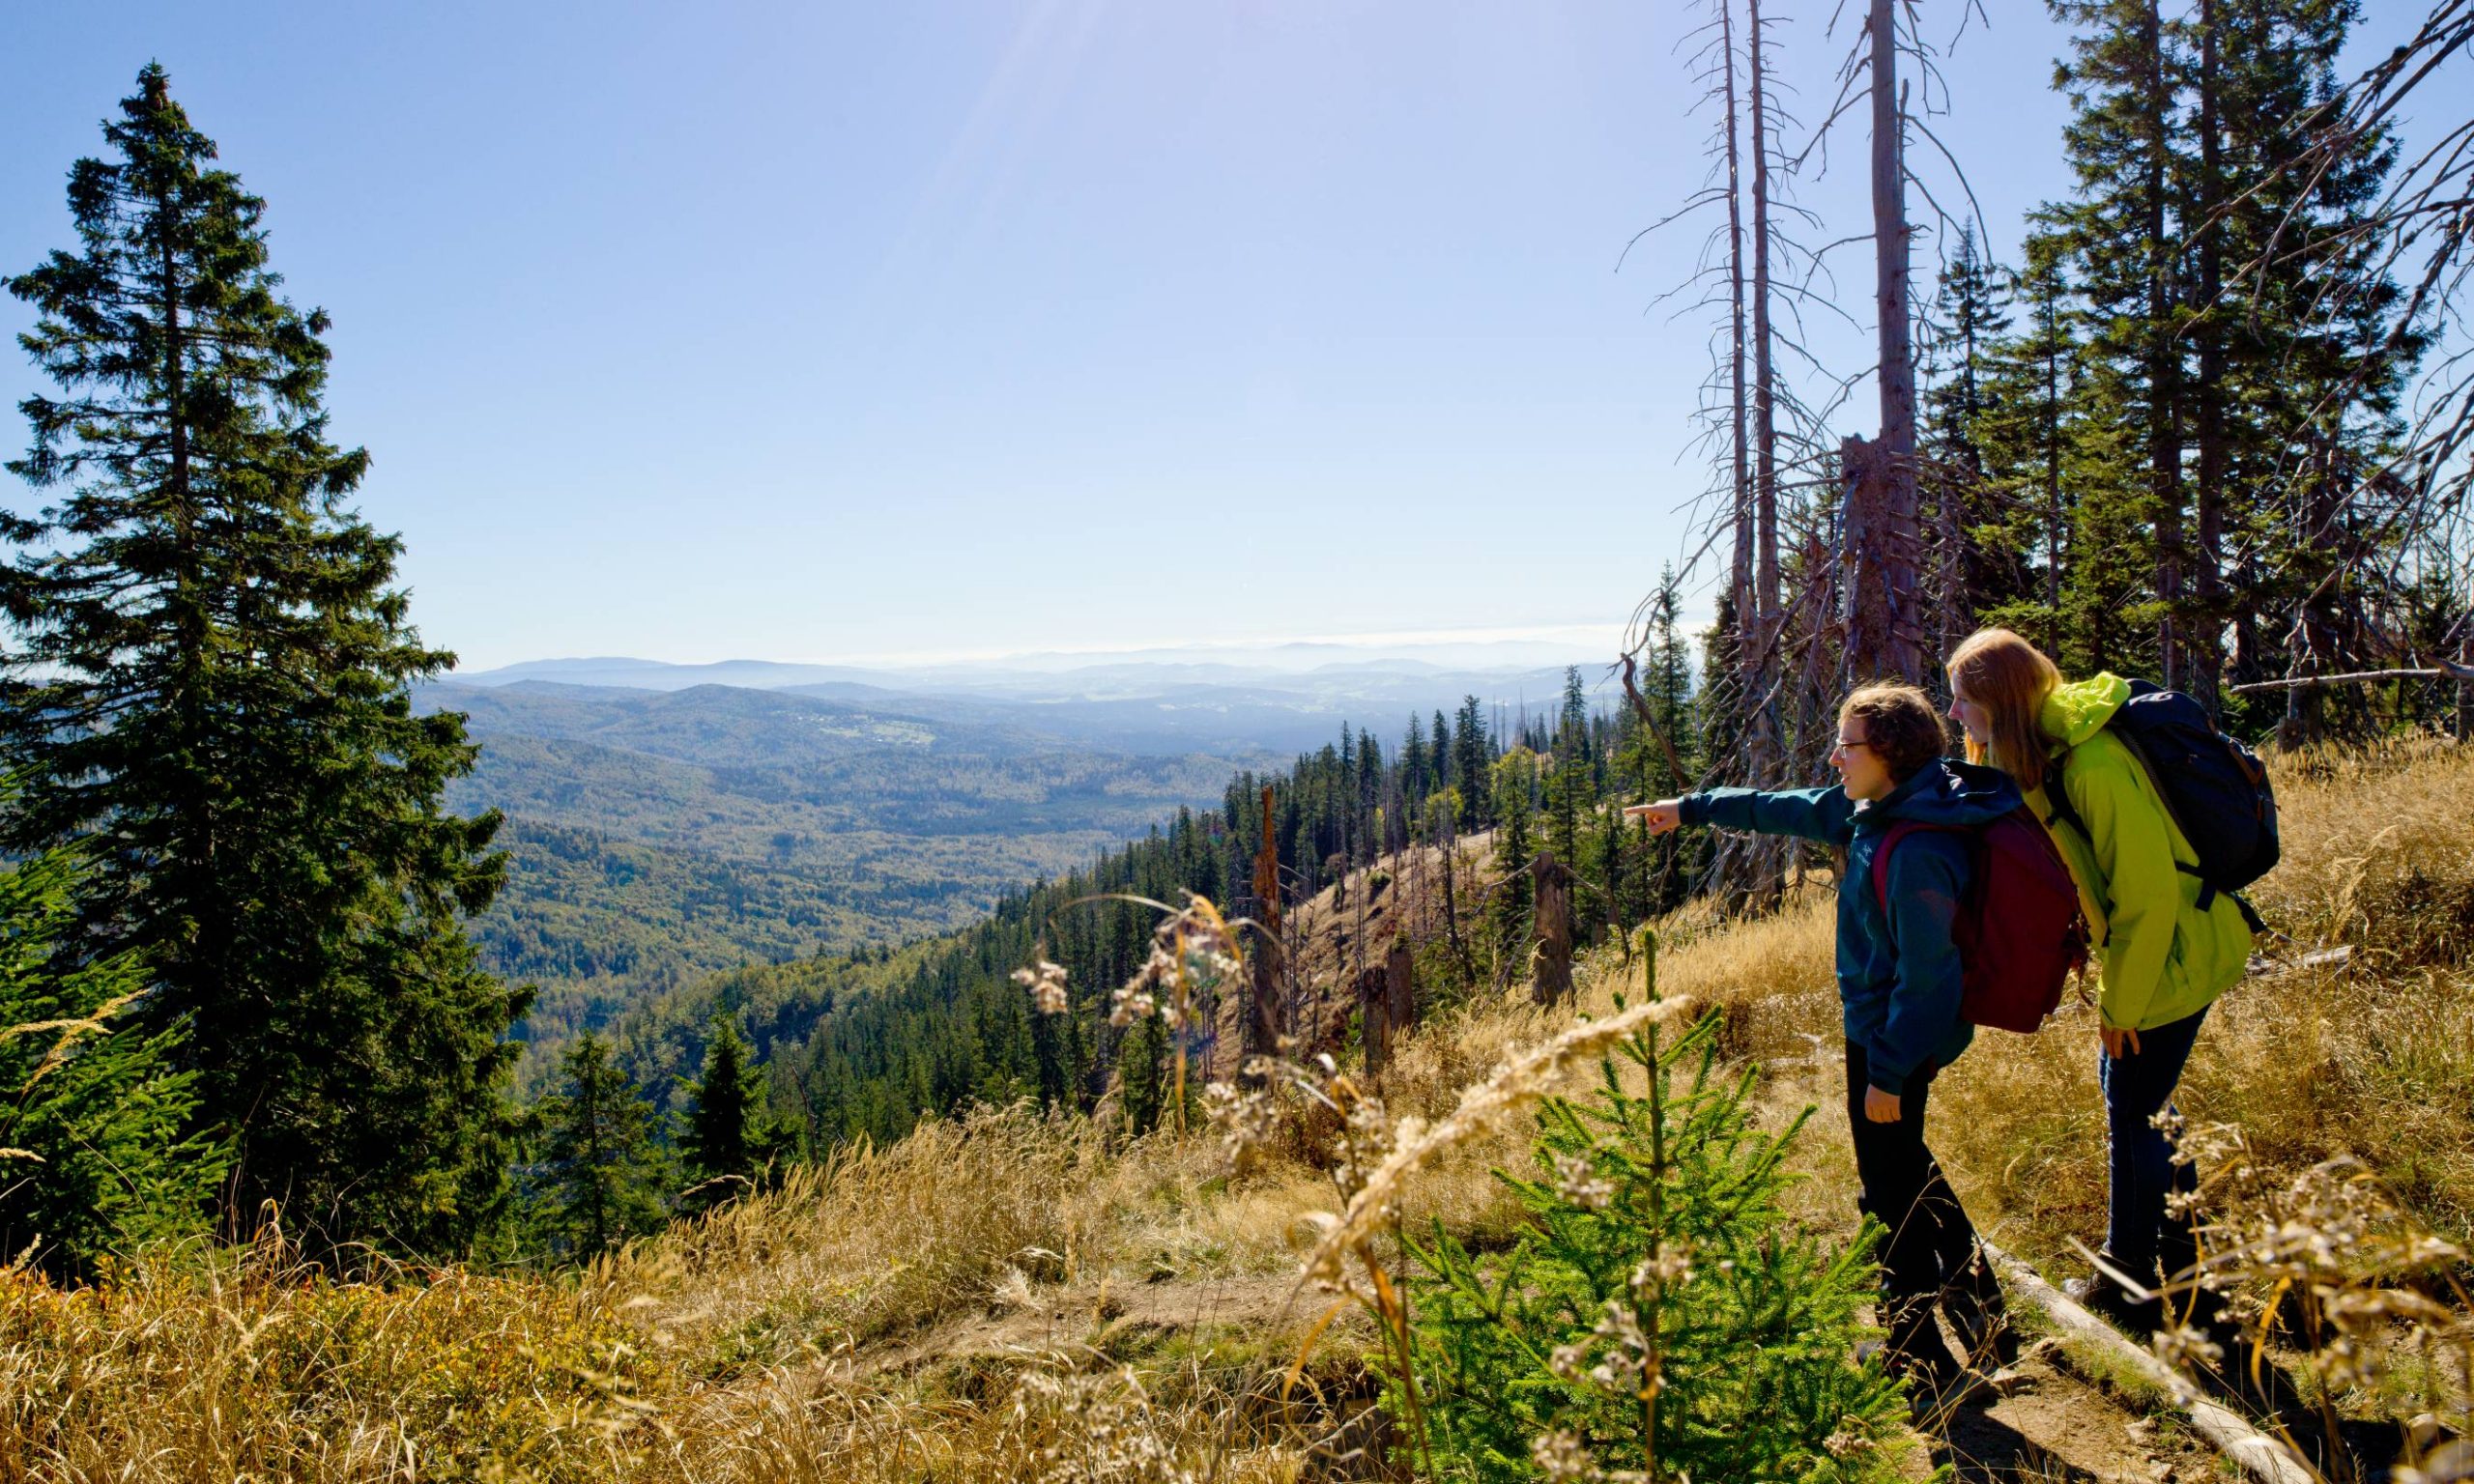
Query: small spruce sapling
point(1661, 1318)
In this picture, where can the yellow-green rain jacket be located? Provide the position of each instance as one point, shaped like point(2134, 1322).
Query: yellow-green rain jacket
point(2163, 959)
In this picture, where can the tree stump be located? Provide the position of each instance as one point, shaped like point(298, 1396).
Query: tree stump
point(1375, 1017)
point(1552, 961)
point(1400, 983)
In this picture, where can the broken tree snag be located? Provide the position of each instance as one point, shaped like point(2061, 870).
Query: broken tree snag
point(1551, 962)
point(1266, 1018)
point(1400, 987)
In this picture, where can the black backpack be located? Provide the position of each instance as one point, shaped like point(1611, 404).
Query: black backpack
point(2215, 790)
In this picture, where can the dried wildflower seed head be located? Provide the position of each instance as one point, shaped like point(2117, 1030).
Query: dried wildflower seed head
point(1523, 1078)
point(1576, 1184)
point(1130, 1005)
point(1671, 1265)
point(1046, 983)
point(1244, 1119)
point(1561, 1456)
point(2186, 1349)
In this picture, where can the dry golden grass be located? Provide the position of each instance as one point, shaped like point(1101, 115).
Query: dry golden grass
point(795, 1336)
point(204, 1365)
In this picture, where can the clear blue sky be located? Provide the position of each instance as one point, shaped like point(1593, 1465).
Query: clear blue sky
point(816, 331)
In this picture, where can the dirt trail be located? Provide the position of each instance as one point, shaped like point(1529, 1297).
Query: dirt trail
point(2052, 1423)
point(1113, 1315)
point(2058, 1424)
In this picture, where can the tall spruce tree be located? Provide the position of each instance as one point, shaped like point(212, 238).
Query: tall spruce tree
point(2122, 237)
point(730, 1137)
point(209, 674)
point(2298, 367)
point(2019, 431)
point(1976, 566)
point(97, 1158)
point(601, 1174)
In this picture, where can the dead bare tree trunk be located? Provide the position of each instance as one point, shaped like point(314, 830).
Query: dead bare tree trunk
point(1388, 1002)
point(1758, 665)
point(1868, 613)
point(1451, 900)
point(1267, 1018)
point(1741, 482)
point(1893, 458)
point(1764, 429)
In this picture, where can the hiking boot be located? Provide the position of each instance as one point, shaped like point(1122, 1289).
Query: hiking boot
point(1979, 1316)
point(1915, 1348)
point(1935, 1397)
point(1987, 1340)
point(2102, 1297)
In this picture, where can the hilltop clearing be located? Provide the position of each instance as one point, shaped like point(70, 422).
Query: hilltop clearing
point(1004, 1289)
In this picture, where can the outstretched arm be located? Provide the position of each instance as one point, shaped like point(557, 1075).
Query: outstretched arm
point(1809, 814)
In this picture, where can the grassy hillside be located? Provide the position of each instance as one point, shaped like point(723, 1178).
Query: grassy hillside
point(1004, 1294)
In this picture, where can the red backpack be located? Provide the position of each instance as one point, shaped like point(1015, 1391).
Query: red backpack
point(2018, 932)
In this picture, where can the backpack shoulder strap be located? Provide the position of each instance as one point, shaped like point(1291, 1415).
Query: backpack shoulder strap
point(2058, 799)
point(2058, 796)
point(1899, 830)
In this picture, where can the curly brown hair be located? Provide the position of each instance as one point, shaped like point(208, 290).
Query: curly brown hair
point(1901, 724)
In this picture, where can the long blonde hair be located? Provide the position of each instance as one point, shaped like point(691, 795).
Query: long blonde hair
point(2010, 678)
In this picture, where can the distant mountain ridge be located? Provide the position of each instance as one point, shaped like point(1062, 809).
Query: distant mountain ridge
point(1124, 706)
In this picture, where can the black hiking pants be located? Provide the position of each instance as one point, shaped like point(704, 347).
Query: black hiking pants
point(1930, 1253)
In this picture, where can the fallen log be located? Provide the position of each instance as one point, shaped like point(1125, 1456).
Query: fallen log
point(2445, 670)
point(2262, 1456)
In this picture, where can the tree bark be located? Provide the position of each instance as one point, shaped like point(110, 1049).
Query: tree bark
point(1400, 983)
point(1736, 410)
point(1893, 455)
point(1763, 861)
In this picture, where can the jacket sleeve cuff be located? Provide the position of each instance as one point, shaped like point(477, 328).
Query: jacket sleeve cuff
point(1891, 1082)
point(1692, 810)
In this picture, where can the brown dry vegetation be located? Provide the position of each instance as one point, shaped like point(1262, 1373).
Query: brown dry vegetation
point(1007, 1295)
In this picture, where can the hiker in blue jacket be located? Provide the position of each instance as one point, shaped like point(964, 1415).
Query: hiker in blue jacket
point(1899, 980)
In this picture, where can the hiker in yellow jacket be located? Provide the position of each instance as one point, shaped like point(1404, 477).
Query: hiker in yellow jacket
point(2164, 959)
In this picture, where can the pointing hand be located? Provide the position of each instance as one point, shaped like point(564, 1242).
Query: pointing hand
point(1663, 816)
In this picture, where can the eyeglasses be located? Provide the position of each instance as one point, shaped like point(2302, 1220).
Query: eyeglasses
point(1846, 745)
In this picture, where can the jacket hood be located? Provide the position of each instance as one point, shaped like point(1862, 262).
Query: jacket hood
point(2075, 712)
point(1947, 793)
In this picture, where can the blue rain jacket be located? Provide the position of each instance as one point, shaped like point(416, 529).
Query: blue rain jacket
point(1898, 974)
